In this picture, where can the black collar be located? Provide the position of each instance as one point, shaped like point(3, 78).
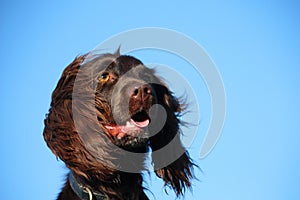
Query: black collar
point(84, 193)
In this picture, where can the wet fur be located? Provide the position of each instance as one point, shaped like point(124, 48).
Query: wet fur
point(61, 135)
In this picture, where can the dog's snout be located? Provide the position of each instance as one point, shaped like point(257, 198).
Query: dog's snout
point(142, 92)
point(141, 98)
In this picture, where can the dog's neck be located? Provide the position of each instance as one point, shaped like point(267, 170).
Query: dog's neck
point(84, 192)
point(122, 186)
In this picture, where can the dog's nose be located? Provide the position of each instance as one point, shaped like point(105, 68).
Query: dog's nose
point(142, 92)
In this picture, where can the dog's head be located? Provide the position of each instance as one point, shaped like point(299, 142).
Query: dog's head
point(133, 108)
point(128, 88)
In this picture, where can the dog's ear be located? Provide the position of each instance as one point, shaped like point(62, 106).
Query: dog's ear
point(173, 163)
point(59, 125)
point(70, 131)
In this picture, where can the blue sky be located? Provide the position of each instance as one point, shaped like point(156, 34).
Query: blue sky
point(254, 44)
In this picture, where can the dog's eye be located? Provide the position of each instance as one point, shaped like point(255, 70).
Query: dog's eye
point(104, 77)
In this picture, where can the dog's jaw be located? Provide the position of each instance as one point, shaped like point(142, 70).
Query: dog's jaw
point(134, 134)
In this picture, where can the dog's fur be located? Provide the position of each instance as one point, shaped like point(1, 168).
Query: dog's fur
point(90, 155)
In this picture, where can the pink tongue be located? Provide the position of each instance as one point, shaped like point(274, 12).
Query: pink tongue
point(140, 124)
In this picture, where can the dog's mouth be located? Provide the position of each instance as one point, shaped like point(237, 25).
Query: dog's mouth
point(140, 119)
point(132, 129)
point(135, 127)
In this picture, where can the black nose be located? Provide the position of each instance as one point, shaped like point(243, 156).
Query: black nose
point(142, 93)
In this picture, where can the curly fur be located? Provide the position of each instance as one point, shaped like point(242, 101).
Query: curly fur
point(97, 172)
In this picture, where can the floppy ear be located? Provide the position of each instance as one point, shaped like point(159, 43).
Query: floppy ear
point(173, 164)
point(60, 132)
point(59, 126)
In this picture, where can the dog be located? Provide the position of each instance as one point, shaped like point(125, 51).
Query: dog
point(108, 112)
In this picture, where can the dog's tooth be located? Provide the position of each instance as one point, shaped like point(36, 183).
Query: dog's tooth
point(128, 124)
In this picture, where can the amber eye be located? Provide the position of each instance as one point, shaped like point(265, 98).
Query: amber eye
point(104, 77)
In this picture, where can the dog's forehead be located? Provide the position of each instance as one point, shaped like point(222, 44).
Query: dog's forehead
point(124, 64)
point(118, 65)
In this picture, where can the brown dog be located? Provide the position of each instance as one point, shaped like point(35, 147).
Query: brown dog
point(101, 109)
